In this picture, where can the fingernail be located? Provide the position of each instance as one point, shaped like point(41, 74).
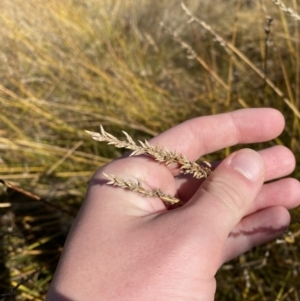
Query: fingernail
point(249, 163)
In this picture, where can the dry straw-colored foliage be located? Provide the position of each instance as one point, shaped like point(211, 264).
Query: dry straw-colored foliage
point(71, 65)
point(287, 10)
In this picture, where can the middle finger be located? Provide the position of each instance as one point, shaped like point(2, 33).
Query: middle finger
point(279, 162)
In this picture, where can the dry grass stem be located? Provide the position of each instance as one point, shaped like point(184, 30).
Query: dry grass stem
point(287, 10)
point(242, 56)
point(159, 153)
point(137, 187)
point(193, 55)
point(110, 63)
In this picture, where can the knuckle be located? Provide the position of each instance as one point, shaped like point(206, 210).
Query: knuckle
point(233, 195)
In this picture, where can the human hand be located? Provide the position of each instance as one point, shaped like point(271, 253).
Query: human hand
point(123, 246)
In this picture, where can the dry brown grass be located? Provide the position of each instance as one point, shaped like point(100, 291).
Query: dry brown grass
point(66, 66)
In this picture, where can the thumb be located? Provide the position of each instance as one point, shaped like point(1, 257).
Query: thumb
point(225, 196)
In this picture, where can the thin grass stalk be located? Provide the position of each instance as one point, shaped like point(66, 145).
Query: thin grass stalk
point(266, 54)
point(224, 43)
point(231, 63)
point(192, 54)
point(296, 124)
point(285, 26)
point(287, 10)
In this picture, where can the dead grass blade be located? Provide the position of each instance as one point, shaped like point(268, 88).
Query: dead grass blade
point(243, 57)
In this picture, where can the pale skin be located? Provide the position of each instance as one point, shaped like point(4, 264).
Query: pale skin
point(124, 246)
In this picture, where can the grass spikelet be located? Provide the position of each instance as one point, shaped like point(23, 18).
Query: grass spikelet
point(159, 153)
point(137, 187)
point(287, 10)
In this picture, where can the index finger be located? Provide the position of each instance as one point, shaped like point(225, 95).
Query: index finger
point(202, 135)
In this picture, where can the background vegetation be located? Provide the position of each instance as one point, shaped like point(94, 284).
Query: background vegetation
point(71, 65)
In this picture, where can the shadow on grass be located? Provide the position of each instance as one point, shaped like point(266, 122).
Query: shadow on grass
point(33, 233)
point(4, 272)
